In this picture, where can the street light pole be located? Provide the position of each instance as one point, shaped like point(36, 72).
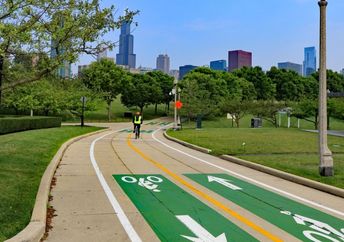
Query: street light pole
point(326, 160)
point(175, 125)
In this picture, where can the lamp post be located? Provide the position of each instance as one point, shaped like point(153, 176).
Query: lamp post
point(326, 160)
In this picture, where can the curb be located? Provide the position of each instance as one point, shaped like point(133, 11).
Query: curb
point(195, 147)
point(277, 173)
point(35, 230)
point(287, 176)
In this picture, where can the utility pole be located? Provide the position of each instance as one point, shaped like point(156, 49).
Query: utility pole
point(326, 160)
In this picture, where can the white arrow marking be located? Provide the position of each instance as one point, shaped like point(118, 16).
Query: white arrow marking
point(202, 234)
point(224, 182)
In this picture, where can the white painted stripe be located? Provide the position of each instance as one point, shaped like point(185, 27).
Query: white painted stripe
point(249, 179)
point(115, 204)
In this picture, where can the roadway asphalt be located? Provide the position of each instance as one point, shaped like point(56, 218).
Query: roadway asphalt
point(111, 187)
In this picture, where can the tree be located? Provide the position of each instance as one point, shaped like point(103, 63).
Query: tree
point(237, 108)
point(335, 81)
point(306, 109)
point(264, 87)
point(267, 110)
point(201, 92)
point(105, 78)
point(64, 29)
point(166, 84)
point(140, 90)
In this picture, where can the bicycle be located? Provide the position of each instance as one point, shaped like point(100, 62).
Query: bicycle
point(136, 131)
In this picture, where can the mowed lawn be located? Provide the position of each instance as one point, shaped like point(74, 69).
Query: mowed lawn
point(291, 150)
point(24, 157)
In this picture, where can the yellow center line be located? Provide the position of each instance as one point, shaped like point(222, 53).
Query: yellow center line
point(204, 195)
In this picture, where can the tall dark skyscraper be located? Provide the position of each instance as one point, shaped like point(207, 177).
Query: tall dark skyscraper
point(163, 63)
point(238, 59)
point(126, 56)
point(310, 62)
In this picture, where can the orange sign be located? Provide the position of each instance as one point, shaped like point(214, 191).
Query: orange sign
point(179, 104)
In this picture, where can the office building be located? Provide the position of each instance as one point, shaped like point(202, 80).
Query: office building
point(218, 65)
point(81, 68)
point(163, 63)
point(65, 69)
point(342, 71)
point(102, 53)
point(174, 73)
point(238, 59)
point(126, 56)
point(183, 70)
point(291, 66)
point(310, 61)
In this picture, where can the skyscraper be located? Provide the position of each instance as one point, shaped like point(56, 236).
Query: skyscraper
point(65, 69)
point(238, 59)
point(126, 56)
point(163, 63)
point(291, 66)
point(183, 70)
point(310, 61)
point(218, 65)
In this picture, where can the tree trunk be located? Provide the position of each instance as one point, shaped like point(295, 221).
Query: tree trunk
point(109, 110)
point(156, 109)
point(1, 75)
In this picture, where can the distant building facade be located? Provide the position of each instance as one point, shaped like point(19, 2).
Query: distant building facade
point(218, 65)
point(163, 63)
point(342, 71)
point(310, 61)
point(238, 59)
point(291, 66)
point(103, 53)
point(183, 70)
point(126, 56)
point(81, 68)
point(174, 73)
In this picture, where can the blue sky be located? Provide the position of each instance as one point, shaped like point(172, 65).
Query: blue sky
point(198, 31)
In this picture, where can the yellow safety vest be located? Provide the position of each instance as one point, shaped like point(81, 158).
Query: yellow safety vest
point(137, 121)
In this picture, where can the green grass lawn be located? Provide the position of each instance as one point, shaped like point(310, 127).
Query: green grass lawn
point(24, 157)
point(291, 150)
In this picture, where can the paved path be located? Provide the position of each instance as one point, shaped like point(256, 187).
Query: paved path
point(111, 187)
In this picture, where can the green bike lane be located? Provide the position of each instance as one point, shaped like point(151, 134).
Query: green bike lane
point(304, 222)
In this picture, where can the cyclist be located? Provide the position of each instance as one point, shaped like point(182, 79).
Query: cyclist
point(137, 121)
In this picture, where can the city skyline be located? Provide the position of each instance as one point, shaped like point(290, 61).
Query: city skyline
point(208, 33)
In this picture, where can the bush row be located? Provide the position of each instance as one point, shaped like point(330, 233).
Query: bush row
point(15, 124)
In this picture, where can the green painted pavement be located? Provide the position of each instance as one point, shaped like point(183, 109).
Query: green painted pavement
point(161, 201)
point(305, 223)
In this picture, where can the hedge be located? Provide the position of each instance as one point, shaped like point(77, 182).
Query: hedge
point(16, 124)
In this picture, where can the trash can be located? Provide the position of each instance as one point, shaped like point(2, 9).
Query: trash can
point(199, 121)
point(256, 123)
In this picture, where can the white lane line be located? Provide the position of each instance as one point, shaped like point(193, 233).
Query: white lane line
point(249, 179)
point(115, 204)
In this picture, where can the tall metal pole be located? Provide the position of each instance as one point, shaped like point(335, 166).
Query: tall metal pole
point(175, 125)
point(326, 160)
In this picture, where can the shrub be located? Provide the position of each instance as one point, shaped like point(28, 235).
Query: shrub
point(16, 124)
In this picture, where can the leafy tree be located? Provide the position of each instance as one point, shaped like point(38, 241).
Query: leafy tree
point(237, 108)
point(202, 91)
point(105, 78)
point(267, 110)
point(306, 109)
point(335, 81)
point(141, 90)
point(264, 86)
point(166, 84)
point(72, 26)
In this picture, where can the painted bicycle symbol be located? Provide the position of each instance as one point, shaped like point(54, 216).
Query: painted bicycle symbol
point(149, 182)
